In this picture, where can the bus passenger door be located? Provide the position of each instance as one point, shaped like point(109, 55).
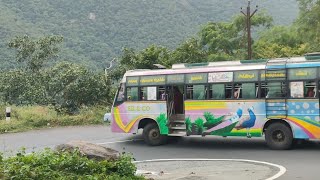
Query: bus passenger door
point(175, 108)
point(318, 94)
point(175, 100)
point(169, 100)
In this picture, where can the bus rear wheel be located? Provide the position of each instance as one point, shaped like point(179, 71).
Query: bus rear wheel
point(279, 136)
point(152, 136)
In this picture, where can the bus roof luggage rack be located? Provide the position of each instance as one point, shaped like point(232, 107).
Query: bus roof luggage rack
point(312, 56)
point(253, 61)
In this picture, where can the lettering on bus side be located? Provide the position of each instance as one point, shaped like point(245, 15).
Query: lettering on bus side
point(302, 73)
point(275, 75)
point(196, 78)
point(240, 76)
point(152, 80)
point(138, 108)
point(132, 81)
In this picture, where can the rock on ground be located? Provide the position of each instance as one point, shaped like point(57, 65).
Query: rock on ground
point(90, 150)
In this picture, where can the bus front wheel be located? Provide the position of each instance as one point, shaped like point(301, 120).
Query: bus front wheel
point(279, 136)
point(152, 136)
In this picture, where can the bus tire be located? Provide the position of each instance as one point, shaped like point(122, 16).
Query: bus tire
point(152, 136)
point(278, 136)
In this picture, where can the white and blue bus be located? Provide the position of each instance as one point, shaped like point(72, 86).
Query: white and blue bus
point(276, 98)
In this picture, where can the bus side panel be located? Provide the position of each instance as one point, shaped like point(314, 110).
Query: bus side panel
point(126, 117)
point(303, 116)
point(246, 118)
point(225, 118)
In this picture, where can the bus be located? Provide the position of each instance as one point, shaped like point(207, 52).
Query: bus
point(274, 98)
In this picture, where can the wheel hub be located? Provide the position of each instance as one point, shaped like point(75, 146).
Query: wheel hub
point(278, 136)
point(154, 134)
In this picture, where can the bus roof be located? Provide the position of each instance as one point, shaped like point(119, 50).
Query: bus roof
point(241, 65)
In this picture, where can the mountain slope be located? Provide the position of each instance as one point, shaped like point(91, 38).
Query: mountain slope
point(95, 31)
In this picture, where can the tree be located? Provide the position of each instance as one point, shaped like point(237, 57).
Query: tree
point(308, 23)
point(145, 59)
point(35, 53)
point(279, 41)
point(188, 52)
point(228, 40)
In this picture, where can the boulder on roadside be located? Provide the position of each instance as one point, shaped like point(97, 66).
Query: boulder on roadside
point(90, 150)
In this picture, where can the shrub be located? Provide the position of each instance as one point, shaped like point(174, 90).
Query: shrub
point(63, 165)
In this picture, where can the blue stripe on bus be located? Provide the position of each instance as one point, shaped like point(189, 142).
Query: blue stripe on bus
point(302, 65)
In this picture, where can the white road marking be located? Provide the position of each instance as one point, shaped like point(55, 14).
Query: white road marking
point(282, 170)
point(113, 142)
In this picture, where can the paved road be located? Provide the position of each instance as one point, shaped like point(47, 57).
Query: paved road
point(301, 163)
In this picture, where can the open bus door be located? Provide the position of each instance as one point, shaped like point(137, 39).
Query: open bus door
point(175, 110)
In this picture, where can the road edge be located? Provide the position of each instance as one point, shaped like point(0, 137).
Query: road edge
point(282, 169)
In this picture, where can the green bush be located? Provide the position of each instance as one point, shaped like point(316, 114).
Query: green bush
point(53, 165)
point(34, 117)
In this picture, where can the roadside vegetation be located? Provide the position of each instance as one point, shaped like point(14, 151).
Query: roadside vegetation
point(64, 165)
point(25, 118)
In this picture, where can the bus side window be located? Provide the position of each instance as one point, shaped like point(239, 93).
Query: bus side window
point(199, 92)
point(300, 89)
point(148, 93)
point(132, 93)
point(310, 89)
point(161, 93)
point(249, 90)
point(217, 91)
point(143, 94)
point(276, 90)
point(189, 92)
point(263, 90)
point(228, 91)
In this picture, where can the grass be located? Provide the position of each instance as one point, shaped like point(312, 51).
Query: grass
point(25, 118)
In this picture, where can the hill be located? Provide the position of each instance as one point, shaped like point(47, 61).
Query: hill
point(95, 31)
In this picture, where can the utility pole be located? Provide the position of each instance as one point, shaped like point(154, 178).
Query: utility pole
point(248, 16)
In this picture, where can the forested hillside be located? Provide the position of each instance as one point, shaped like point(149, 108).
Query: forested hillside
point(95, 31)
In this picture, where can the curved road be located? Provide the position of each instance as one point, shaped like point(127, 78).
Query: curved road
point(303, 162)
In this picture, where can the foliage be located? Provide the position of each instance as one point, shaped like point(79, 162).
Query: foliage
point(34, 117)
point(96, 31)
point(35, 53)
point(53, 165)
point(189, 51)
point(278, 42)
point(66, 86)
point(162, 122)
point(228, 39)
point(308, 23)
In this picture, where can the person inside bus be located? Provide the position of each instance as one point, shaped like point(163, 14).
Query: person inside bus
point(236, 93)
point(310, 92)
point(163, 96)
point(178, 101)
